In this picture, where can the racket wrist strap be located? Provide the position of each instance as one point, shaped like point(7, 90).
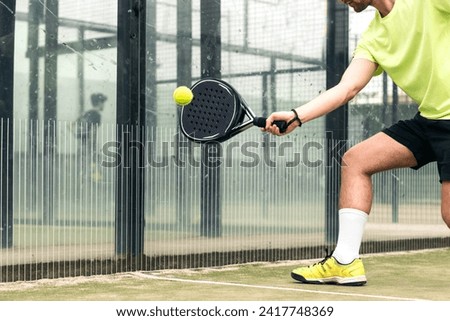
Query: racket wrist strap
point(296, 118)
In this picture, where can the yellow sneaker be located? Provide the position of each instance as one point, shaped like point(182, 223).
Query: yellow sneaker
point(331, 271)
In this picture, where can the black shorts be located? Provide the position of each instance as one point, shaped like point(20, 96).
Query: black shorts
point(428, 140)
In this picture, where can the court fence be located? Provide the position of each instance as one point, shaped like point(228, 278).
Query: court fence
point(272, 204)
point(128, 192)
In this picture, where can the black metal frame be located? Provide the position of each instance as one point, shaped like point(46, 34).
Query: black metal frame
point(336, 122)
point(184, 78)
point(7, 19)
point(131, 121)
point(35, 14)
point(50, 106)
point(211, 48)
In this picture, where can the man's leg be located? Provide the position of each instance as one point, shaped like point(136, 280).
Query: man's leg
point(376, 154)
point(445, 202)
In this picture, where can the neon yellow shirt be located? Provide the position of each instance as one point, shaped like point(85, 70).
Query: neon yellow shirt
point(412, 44)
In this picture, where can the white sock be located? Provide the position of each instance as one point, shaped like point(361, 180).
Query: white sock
point(351, 230)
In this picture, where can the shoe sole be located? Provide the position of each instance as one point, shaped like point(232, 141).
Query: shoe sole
point(355, 281)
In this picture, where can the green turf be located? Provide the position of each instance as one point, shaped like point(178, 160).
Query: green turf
point(415, 275)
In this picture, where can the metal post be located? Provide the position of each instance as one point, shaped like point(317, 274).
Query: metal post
point(273, 83)
point(80, 69)
point(34, 14)
point(384, 123)
point(151, 91)
point(267, 197)
point(385, 100)
point(210, 42)
point(184, 77)
point(131, 73)
point(7, 19)
point(50, 104)
point(336, 123)
point(394, 178)
point(246, 15)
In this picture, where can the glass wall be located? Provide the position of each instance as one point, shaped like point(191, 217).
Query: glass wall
point(64, 177)
point(65, 62)
point(271, 190)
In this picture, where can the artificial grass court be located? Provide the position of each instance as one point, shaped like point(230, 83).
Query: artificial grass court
point(418, 275)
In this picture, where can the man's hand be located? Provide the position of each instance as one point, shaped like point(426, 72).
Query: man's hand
point(286, 116)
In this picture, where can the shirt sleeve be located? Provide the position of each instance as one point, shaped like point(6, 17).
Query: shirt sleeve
point(441, 5)
point(362, 52)
point(365, 49)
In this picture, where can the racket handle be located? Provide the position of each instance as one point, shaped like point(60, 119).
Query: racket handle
point(261, 122)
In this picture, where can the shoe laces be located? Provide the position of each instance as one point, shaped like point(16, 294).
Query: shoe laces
point(327, 256)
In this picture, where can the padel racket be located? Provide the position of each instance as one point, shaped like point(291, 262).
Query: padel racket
point(217, 112)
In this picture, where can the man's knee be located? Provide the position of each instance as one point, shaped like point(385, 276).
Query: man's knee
point(445, 212)
point(445, 202)
point(348, 158)
point(352, 161)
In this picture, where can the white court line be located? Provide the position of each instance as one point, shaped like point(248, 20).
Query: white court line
point(149, 276)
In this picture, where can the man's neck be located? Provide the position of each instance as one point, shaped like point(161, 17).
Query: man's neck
point(383, 6)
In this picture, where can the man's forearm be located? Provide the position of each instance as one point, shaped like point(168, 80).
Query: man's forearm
point(324, 103)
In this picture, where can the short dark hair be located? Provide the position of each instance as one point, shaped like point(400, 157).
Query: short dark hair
point(98, 98)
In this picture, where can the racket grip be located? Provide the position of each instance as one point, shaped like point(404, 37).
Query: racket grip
point(261, 122)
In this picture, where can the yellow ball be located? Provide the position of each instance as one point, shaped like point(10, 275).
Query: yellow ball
point(182, 95)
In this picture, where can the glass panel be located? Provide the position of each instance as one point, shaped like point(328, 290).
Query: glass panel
point(276, 62)
point(64, 111)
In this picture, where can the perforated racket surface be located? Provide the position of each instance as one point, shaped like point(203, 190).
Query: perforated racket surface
point(217, 112)
point(213, 112)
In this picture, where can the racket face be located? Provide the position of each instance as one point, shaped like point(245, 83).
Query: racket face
point(213, 112)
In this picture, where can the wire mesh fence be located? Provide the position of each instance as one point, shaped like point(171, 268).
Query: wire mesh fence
point(272, 204)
